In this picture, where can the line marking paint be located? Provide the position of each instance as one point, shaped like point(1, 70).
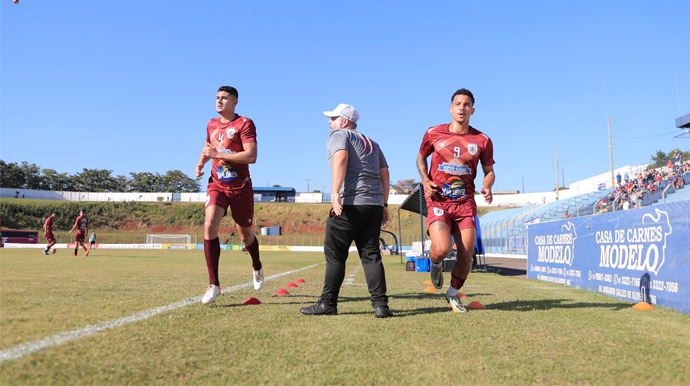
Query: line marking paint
point(24, 349)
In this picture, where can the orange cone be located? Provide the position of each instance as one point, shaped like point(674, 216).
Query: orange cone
point(299, 281)
point(430, 289)
point(462, 295)
point(281, 292)
point(251, 301)
point(643, 306)
point(475, 304)
point(292, 285)
point(428, 282)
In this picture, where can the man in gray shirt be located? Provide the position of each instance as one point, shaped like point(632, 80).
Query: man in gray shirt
point(360, 187)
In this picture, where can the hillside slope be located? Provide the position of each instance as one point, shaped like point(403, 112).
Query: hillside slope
point(178, 217)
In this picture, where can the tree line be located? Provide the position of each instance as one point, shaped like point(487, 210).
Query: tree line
point(31, 176)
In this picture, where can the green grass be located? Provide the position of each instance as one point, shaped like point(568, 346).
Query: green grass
point(530, 333)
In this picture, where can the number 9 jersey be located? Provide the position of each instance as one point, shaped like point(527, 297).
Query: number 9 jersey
point(454, 160)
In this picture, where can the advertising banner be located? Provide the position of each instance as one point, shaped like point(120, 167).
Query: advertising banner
point(641, 254)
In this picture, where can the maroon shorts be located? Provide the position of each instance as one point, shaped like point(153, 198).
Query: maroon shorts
point(50, 237)
point(456, 218)
point(240, 201)
point(79, 236)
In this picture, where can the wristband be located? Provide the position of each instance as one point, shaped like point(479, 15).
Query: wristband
point(385, 205)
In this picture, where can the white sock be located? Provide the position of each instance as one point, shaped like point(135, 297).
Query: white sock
point(452, 291)
point(438, 265)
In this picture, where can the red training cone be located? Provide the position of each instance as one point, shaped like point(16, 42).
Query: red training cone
point(462, 295)
point(299, 281)
point(430, 289)
point(281, 292)
point(475, 304)
point(292, 285)
point(250, 301)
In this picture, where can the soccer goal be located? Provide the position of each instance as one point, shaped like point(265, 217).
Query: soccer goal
point(168, 239)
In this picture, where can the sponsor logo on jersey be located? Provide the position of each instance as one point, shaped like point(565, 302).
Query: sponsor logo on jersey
point(454, 169)
point(472, 148)
point(454, 188)
point(438, 211)
point(226, 173)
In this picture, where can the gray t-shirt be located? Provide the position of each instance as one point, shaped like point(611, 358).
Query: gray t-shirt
point(362, 184)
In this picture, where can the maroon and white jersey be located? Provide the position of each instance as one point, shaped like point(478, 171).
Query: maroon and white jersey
point(82, 222)
point(229, 138)
point(48, 225)
point(454, 161)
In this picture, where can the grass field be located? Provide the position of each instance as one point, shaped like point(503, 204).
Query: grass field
point(530, 332)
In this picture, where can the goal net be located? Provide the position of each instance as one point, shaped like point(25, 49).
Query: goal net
point(168, 239)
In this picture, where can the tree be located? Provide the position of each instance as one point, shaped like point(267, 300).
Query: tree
point(176, 181)
point(143, 182)
point(658, 160)
point(11, 175)
point(661, 159)
point(405, 186)
point(95, 180)
point(32, 176)
point(52, 180)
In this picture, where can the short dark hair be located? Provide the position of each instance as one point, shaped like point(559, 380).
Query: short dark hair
point(230, 90)
point(463, 91)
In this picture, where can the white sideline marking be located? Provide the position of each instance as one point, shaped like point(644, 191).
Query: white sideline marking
point(24, 349)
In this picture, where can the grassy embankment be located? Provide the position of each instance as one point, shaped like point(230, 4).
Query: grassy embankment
point(129, 222)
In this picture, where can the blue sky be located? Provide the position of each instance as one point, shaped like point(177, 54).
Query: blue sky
point(130, 86)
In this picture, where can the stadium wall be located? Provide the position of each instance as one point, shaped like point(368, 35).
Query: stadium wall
point(637, 255)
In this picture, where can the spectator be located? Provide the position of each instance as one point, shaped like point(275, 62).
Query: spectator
point(618, 178)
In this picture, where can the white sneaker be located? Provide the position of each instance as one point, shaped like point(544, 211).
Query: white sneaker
point(455, 303)
point(258, 279)
point(211, 293)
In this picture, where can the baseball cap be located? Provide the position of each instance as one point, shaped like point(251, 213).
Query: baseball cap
point(346, 111)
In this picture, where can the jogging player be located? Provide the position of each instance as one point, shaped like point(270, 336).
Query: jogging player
point(456, 148)
point(82, 227)
point(231, 145)
point(92, 240)
point(48, 232)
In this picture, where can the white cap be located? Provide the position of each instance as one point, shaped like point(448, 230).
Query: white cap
point(346, 111)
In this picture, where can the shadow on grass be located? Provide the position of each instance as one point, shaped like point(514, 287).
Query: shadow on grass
point(545, 305)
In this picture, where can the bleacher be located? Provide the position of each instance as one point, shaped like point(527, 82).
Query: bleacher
point(504, 232)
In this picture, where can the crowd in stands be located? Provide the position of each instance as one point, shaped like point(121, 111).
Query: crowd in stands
point(630, 192)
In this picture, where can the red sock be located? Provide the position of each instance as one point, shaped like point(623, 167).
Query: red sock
point(254, 253)
point(212, 254)
point(456, 282)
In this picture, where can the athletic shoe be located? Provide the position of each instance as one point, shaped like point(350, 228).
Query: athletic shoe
point(211, 293)
point(74, 255)
point(45, 252)
point(455, 303)
point(437, 276)
point(258, 279)
point(86, 254)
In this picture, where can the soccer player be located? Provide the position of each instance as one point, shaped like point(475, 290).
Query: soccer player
point(231, 145)
point(92, 241)
point(456, 148)
point(360, 187)
point(48, 232)
point(82, 227)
